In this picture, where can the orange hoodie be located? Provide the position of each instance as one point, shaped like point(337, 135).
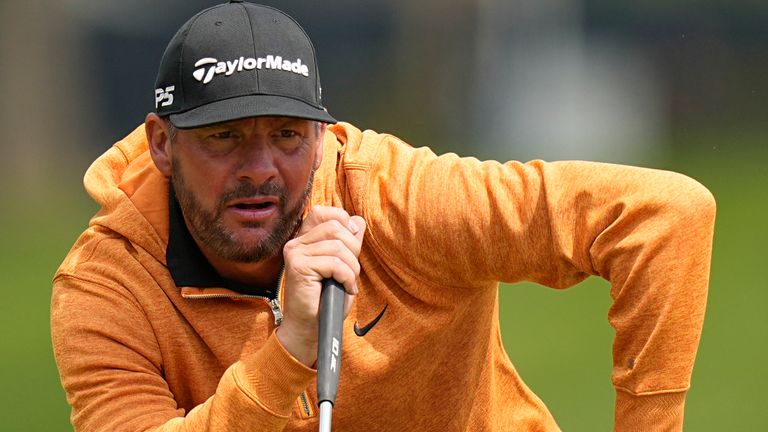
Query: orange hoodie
point(138, 353)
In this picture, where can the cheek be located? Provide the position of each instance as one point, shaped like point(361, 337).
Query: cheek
point(204, 181)
point(297, 177)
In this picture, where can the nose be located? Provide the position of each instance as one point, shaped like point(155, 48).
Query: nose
point(257, 161)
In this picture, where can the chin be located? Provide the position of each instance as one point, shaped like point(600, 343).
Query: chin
point(251, 238)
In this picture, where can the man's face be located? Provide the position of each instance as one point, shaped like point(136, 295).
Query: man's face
point(242, 185)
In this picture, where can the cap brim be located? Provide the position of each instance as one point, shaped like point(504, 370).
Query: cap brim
point(249, 106)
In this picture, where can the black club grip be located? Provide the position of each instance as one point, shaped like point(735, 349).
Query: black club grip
point(329, 340)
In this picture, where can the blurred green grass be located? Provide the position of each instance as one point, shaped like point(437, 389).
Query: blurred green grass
point(37, 231)
point(559, 341)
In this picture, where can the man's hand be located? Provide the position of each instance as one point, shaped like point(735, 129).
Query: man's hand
point(326, 246)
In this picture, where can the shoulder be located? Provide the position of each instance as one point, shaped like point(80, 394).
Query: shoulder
point(99, 255)
point(368, 148)
point(105, 260)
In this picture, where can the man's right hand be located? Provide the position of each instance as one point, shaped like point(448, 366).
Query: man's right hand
point(327, 245)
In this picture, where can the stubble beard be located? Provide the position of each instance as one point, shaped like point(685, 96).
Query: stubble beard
point(207, 227)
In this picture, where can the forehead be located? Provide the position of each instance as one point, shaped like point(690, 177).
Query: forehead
point(269, 122)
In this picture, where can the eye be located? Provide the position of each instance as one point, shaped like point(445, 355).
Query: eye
point(287, 139)
point(220, 141)
point(226, 134)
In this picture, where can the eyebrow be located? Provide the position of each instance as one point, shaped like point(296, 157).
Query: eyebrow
point(215, 126)
point(291, 121)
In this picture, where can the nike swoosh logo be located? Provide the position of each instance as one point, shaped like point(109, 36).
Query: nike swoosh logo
point(361, 331)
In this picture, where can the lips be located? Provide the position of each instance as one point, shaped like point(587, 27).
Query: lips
point(253, 206)
point(254, 203)
point(254, 209)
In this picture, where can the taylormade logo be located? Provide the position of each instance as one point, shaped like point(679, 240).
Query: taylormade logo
point(209, 67)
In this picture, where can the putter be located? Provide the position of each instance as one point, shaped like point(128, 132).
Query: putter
point(329, 349)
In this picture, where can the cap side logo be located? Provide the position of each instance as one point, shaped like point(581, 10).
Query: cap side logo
point(208, 67)
point(164, 97)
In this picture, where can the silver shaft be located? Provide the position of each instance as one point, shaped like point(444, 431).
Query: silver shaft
point(326, 411)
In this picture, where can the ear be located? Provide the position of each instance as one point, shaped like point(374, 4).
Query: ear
point(321, 140)
point(159, 142)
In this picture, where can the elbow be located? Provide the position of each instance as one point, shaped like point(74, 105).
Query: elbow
point(693, 203)
point(687, 219)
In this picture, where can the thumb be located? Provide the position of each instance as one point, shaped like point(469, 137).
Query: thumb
point(357, 226)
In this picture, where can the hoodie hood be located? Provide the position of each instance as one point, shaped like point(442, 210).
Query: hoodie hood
point(132, 193)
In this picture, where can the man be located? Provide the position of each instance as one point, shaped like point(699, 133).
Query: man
point(190, 303)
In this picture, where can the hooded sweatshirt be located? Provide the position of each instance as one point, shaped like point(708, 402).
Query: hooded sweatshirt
point(138, 352)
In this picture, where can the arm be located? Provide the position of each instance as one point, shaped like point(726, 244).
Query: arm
point(648, 232)
point(111, 369)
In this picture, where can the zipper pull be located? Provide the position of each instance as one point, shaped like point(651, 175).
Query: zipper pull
point(275, 305)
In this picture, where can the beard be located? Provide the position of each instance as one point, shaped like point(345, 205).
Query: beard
point(207, 227)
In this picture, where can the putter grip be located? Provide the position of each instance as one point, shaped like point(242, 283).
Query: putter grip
point(329, 340)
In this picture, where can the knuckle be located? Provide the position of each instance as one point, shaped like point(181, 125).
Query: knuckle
point(291, 245)
point(339, 247)
point(335, 210)
point(335, 227)
point(317, 210)
point(350, 279)
point(351, 273)
point(288, 254)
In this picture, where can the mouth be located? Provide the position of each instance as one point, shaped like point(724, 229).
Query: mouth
point(254, 205)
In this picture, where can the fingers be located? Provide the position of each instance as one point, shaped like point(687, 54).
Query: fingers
point(321, 214)
point(331, 230)
point(327, 246)
point(328, 259)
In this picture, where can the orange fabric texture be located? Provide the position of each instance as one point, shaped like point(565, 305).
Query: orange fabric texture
point(134, 354)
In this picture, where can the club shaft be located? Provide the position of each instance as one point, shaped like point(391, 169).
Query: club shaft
point(326, 412)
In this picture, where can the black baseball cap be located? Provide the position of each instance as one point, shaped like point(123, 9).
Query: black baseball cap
point(238, 60)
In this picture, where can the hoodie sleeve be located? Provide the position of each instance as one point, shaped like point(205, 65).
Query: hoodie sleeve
point(111, 369)
point(648, 232)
